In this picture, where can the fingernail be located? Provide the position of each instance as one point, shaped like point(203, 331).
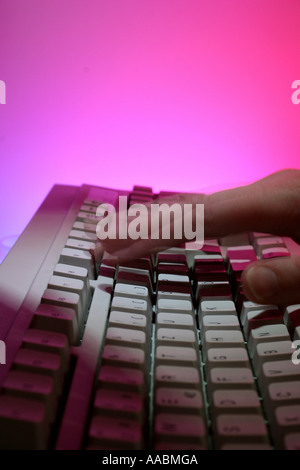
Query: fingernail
point(262, 282)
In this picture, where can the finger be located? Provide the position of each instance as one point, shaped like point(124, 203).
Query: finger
point(274, 281)
point(270, 205)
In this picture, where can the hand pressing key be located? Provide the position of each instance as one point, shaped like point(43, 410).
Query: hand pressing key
point(270, 205)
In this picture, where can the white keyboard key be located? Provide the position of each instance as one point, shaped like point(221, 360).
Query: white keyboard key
point(173, 295)
point(180, 427)
point(69, 285)
point(133, 305)
point(173, 278)
point(117, 432)
point(83, 235)
point(40, 362)
point(227, 357)
point(121, 356)
point(177, 376)
point(176, 337)
point(221, 339)
point(235, 401)
point(81, 258)
point(128, 290)
point(66, 299)
point(175, 320)
point(80, 244)
point(32, 386)
point(175, 306)
point(122, 378)
point(85, 227)
point(277, 371)
point(251, 307)
point(282, 394)
point(219, 322)
point(116, 403)
point(296, 334)
point(217, 307)
point(229, 378)
point(59, 320)
point(274, 351)
point(130, 320)
point(126, 337)
point(75, 272)
point(242, 428)
point(23, 424)
point(175, 355)
point(88, 218)
point(266, 334)
point(168, 399)
point(88, 208)
point(267, 242)
point(274, 252)
point(48, 341)
point(286, 421)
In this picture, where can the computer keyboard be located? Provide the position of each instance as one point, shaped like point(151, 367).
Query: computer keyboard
point(163, 353)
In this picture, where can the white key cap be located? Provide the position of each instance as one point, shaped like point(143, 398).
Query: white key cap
point(69, 285)
point(180, 427)
point(117, 432)
point(83, 235)
point(133, 305)
point(217, 307)
point(118, 403)
point(59, 320)
point(88, 208)
point(251, 315)
point(267, 242)
point(221, 339)
point(235, 401)
point(130, 320)
point(121, 356)
point(175, 337)
point(241, 428)
point(175, 306)
point(22, 414)
point(66, 299)
point(48, 341)
point(228, 378)
point(168, 399)
point(175, 320)
point(128, 290)
point(75, 272)
point(287, 421)
point(175, 355)
point(92, 202)
point(227, 357)
point(33, 386)
point(274, 252)
point(275, 351)
point(88, 218)
point(122, 378)
point(126, 337)
point(177, 376)
point(296, 334)
point(173, 295)
point(174, 278)
point(282, 394)
point(219, 322)
point(252, 306)
point(85, 226)
point(80, 244)
point(266, 334)
point(81, 258)
point(277, 371)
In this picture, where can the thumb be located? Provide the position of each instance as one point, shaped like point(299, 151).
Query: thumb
point(274, 281)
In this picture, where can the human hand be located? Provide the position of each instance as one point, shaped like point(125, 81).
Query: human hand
point(270, 205)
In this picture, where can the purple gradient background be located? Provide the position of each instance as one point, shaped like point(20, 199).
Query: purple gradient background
point(175, 94)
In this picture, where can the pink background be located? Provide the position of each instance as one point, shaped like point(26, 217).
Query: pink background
point(175, 94)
